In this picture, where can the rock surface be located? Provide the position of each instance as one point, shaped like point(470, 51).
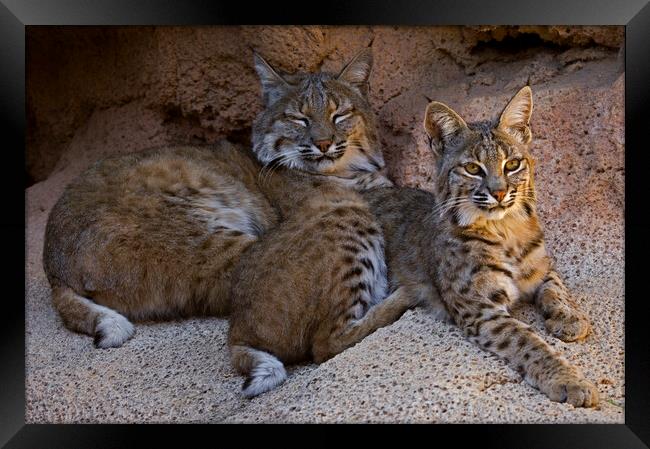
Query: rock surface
point(93, 92)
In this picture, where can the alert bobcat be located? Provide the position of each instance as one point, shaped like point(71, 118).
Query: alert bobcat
point(155, 235)
point(475, 246)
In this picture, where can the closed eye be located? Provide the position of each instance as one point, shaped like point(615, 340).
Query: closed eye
point(302, 121)
point(341, 116)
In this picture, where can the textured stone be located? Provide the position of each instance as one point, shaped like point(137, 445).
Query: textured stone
point(96, 92)
point(203, 76)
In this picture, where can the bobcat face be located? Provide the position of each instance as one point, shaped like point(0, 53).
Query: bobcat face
point(318, 123)
point(489, 177)
point(485, 171)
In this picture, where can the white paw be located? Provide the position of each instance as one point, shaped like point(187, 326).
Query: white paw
point(267, 375)
point(112, 330)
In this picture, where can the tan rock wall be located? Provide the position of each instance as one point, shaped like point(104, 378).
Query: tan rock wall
point(144, 86)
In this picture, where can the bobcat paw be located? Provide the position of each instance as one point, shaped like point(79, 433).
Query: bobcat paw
point(112, 330)
point(568, 328)
point(574, 390)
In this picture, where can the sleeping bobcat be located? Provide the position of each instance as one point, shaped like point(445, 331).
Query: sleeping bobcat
point(475, 246)
point(155, 235)
point(313, 286)
point(316, 283)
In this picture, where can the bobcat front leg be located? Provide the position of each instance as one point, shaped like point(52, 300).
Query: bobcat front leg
point(562, 317)
point(490, 326)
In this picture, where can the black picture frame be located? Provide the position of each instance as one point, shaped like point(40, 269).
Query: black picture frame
point(15, 15)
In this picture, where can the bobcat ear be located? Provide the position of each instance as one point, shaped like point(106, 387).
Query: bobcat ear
point(442, 125)
point(515, 118)
point(357, 71)
point(273, 85)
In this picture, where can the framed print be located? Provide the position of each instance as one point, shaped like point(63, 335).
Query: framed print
point(424, 214)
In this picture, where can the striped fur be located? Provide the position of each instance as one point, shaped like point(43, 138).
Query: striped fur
point(320, 123)
point(480, 254)
point(155, 235)
point(315, 285)
point(152, 236)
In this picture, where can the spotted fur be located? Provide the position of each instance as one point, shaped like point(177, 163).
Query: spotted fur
point(475, 246)
point(317, 284)
point(155, 235)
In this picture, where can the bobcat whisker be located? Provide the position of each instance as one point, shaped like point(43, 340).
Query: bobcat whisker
point(446, 205)
point(266, 171)
point(286, 160)
point(453, 206)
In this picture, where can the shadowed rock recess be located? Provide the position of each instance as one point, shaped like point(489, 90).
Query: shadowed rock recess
point(94, 92)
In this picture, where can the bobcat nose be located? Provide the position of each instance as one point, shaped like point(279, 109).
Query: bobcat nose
point(323, 145)
point(499, 195)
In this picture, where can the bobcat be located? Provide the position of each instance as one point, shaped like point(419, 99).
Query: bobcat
point(310, 288)
point(155, 235)
point(475, 246)
point(315, 284)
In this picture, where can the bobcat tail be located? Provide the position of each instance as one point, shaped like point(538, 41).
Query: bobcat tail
point(263, 371)
point(80, 314)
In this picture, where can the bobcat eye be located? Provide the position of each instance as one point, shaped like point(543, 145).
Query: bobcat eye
point(338, 118)
point(302, 121)
point(472, 168)
point(513, 164)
